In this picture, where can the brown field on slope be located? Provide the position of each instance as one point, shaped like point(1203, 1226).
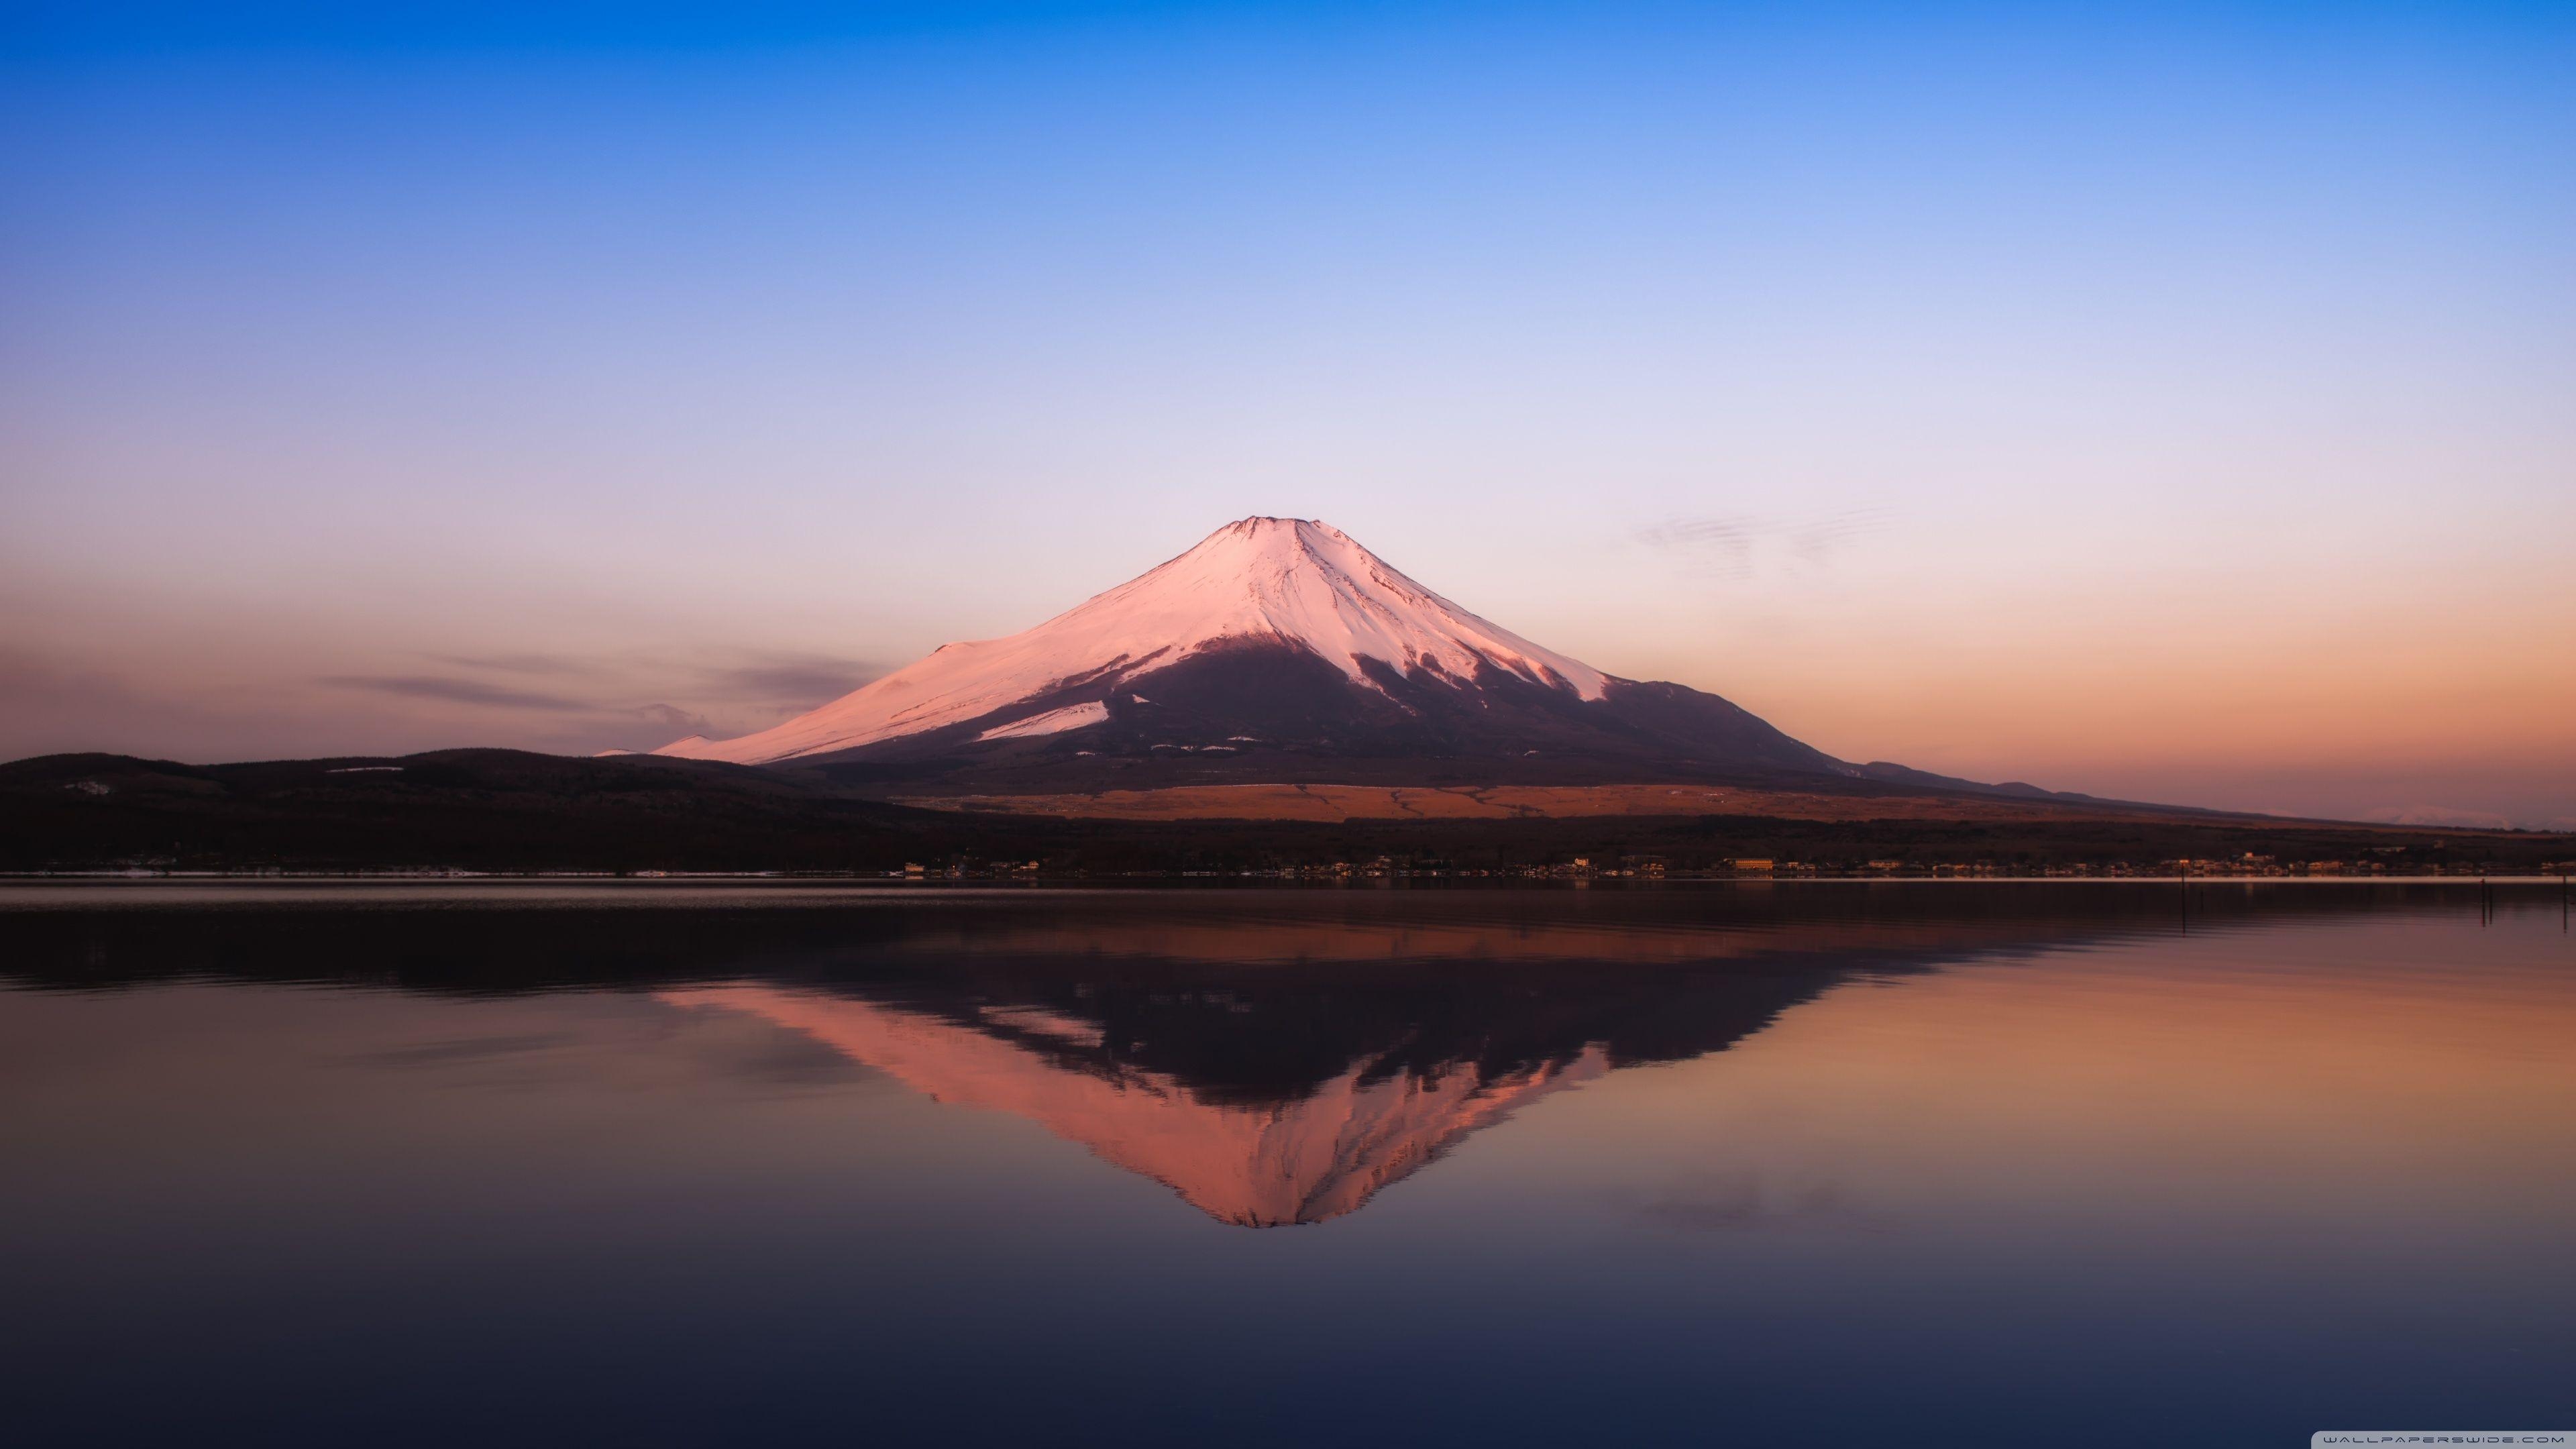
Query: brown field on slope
point(1333, 803)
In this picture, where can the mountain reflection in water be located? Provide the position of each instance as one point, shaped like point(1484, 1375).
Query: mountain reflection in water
point(2128, 1165)
point(1299, 1159)
point(1275, 1058)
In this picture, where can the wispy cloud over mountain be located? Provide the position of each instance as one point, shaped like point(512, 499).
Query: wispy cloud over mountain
point(626, 702)
point(552, 664)
point(791, 681)
point(620, 720)
point(456, 691)
point(1729, 545)
point(673, 718)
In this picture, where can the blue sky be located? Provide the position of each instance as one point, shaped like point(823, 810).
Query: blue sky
point(2156, 400)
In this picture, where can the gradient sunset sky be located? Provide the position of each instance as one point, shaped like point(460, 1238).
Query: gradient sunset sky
point(2173, 402)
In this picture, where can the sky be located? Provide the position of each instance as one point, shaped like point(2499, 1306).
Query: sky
point(2174, 402)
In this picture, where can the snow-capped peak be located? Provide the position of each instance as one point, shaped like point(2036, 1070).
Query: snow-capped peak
point(1291, 580)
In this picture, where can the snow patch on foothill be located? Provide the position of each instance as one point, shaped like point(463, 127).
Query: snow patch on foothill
point(1053, 722)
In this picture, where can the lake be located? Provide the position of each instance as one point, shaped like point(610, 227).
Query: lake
point(1911, 1163)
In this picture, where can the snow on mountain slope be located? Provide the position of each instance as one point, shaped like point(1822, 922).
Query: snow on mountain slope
point(1053, 722)
point(1275, 579)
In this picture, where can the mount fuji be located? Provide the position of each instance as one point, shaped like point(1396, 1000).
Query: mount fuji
point(1280, 649)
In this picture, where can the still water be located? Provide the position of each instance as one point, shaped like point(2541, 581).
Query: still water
point(1902, 1163)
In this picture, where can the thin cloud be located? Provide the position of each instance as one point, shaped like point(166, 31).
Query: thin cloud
point(672, 717)
point(1728, 540)
point(762, 679)
point(1727, 544)
point(698, 697)
point(518, 663)
point(452, 690)
point(475, 692)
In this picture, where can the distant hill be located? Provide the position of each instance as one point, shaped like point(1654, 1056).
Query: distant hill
point(502, 810)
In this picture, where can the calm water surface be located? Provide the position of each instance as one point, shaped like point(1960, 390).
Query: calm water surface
point(1943, 1163)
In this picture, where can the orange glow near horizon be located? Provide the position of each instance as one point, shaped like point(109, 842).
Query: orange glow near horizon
point(2453, 687)
point(2219, 1060)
